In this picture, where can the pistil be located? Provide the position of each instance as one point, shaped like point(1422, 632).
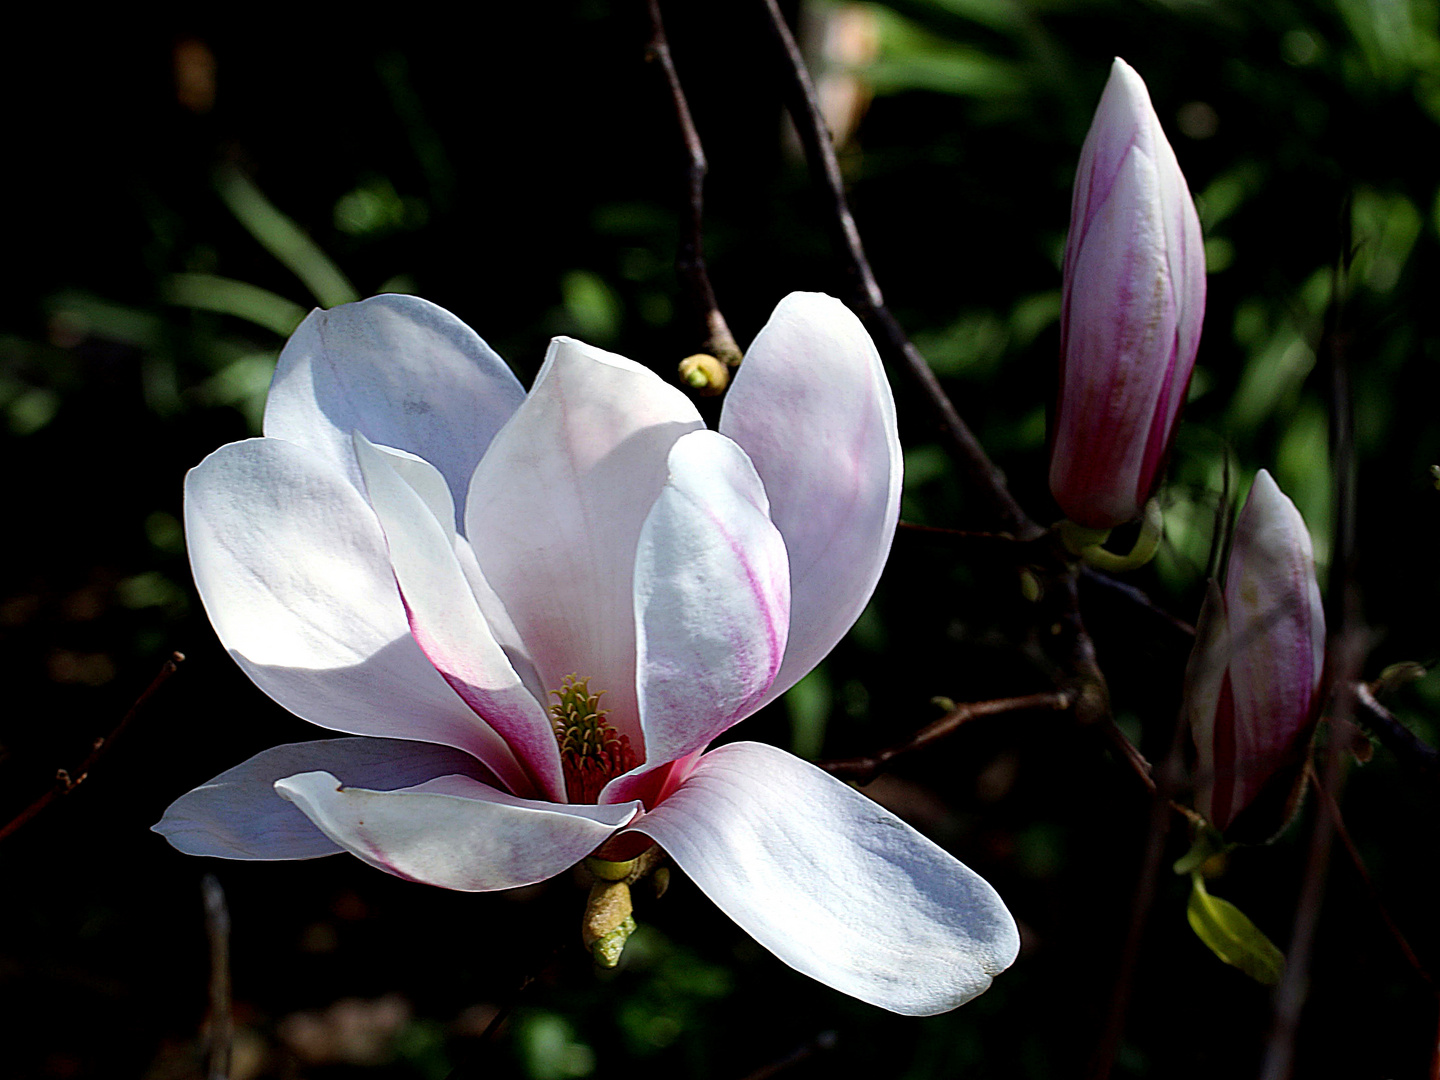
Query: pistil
point(592, 752)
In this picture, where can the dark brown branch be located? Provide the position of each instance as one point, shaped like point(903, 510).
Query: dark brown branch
point(804, 107)
point(864, 769)
point(1412, 751)
point(220, 1026)
point(821, 1043)
point(1162, 806)
point(690, 256)
point(1337, 820)
point(66, 780)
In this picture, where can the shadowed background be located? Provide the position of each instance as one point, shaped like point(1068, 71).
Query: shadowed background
point(179, 192)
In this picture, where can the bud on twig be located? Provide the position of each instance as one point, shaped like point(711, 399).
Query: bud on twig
point(1133, 301)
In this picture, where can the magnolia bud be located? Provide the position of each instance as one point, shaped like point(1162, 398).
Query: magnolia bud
point(1134, 297)
point(1253, 677)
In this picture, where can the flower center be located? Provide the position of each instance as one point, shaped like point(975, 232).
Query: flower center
point(592, 752)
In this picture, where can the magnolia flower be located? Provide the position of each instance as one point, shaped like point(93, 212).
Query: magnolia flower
point(1134, 297)
point(536, 612)
point(1255, 671)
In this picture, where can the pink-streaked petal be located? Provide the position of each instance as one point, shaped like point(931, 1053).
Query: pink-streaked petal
point(712, 598)
point(835, 886)
point(238, 815)
point(812, 408)
point(1207, 685)
point(555, 510)
point(402, 371)
point(454, 831)
point(447, 622)
point(293, 570)
point(1134, 298)
point(1277, 632)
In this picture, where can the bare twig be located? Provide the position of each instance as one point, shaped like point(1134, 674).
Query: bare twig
point(864, 769)
point(1161, 807)
point(690, 256)
point(821, 1043)
point(804, 108)
point(1337, 820)
point(66, 780)
point(1411, 751)
point(220, 1025)
point(1343, 658)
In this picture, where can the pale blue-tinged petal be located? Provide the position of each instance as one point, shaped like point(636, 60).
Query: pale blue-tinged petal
point(292, 567)
point(812, 408)
point(446, 619)
point(555, 509)
point(834, 885)
point(238, 815)
point(712, 598)
point(402, 371)
point(453, 831)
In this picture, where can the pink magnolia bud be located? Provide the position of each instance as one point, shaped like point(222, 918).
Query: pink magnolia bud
point(1134, 297)
point(1253, 677)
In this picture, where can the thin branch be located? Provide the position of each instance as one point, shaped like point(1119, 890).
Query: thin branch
point(864, 769)
point(220, 1029)
point(1162, 805)
point(804, 107)
point(690, 255)
point(1137, 597)
point(1337, 820)
point(1412, 751)
point(821, 1043)
point(67, 781)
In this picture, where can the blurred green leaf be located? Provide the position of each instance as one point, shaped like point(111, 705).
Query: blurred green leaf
point(591, 305)
point(1231, 936)
point(912, 58)
point(808, 705)
point(549, 1048)
point(284, 239)
point(209, 292)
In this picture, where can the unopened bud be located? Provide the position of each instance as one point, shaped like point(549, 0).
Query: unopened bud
point(704, 374)
point(608, 921)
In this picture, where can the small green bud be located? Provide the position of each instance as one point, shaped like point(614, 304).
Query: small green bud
point(704, 374)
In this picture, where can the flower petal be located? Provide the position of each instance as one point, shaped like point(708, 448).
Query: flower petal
point(1277, 632)
point(1210, 710)
point(832, 884)
point(555, 509)
point(1133, 301)
point(293, 570)
point(712, 598)
point(237, 815)
point(401, 370)
point(454, 831)
point(811, 407)
point(446, 619)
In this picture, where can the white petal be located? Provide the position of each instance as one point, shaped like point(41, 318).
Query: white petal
point(237, 815)
point(712, 598)
point(454, 832)
point(447, 622)
point(811, 407)
point(293, 571)
point(555, 509)
point(834, 885)
point(401, 370)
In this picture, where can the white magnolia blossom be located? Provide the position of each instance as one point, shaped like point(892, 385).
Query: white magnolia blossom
point(535, 612)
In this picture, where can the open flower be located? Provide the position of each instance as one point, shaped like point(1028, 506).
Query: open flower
point(1133, 301)
point(538, 611)
point(1255, 671)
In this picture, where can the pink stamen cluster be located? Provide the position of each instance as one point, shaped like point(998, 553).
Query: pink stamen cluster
point(592, 752)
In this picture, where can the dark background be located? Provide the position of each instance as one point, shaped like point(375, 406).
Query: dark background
point(525, 174)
